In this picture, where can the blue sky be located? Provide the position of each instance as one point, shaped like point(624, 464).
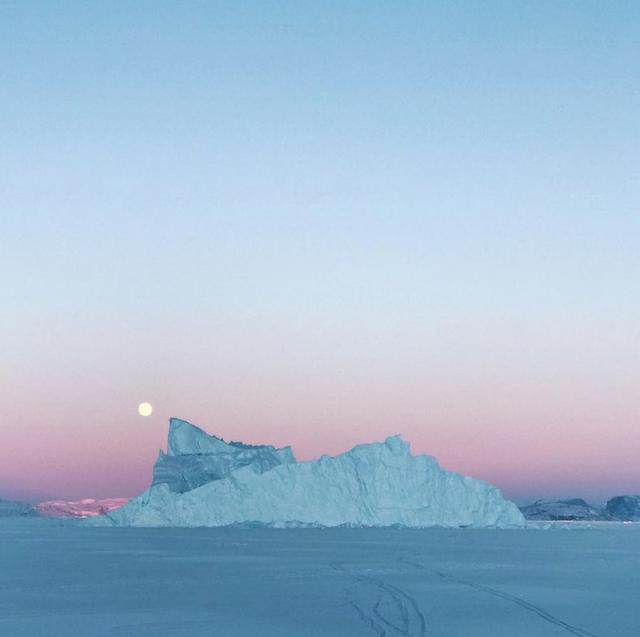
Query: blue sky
point(320, 223)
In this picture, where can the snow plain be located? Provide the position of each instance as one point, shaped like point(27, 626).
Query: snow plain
point(60, 578)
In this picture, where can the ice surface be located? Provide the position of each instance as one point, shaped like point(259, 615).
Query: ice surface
point(67, 579)
point(204, 481)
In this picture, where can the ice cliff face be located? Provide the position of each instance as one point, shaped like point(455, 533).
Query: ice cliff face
point(194, 458)
point(204, 481)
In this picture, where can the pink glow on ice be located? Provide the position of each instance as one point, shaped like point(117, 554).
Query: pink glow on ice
point(85, 508)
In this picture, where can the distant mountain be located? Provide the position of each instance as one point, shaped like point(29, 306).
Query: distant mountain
point(576, 509)
point(8, 508)
point(624, 507)
point(86, 508)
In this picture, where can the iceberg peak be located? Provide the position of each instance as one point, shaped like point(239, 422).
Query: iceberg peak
point(185, 438)
point(195, 457)
point(398, 445)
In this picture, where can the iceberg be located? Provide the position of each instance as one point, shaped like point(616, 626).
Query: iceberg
point(569, 510)
point(625, 508)
point(9, 509)
point(204, 481)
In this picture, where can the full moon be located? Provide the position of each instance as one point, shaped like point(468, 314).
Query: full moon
point(145, 409)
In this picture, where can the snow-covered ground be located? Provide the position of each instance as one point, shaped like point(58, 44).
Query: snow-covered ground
point(65, 578)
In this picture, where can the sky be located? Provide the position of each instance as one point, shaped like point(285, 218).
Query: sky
point(320, 224)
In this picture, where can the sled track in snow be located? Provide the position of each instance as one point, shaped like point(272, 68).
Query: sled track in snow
point(523, 603)
point(411, 620)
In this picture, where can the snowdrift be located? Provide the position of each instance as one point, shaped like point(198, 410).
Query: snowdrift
point(204, 481)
